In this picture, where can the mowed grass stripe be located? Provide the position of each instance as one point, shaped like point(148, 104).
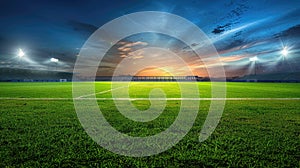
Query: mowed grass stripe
point(142, 90)
point(133, 99)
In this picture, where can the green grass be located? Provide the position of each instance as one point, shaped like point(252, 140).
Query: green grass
point(47, 133)
point(141, 89)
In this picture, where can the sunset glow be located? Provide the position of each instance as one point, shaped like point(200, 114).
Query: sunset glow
point(153, 72)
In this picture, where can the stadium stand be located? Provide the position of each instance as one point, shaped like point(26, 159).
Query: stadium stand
point(272, 77)
point(28, 75)
point(148, 78)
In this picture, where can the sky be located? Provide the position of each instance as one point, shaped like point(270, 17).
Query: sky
point(239, 30)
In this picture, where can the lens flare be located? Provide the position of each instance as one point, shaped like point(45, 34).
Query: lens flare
point(253, 59)
point(21, 53)
point(285, 51)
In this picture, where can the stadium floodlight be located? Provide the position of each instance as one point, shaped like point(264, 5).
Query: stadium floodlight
point(253, 59)
point(21, 53)
point(284, 51)
point(54, 60)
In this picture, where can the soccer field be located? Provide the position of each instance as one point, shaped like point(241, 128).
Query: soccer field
point(260, 126)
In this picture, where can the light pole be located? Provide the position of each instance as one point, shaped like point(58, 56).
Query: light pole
point(284, 53)
point(20, 54)
point(54, 60)
point(254, 59)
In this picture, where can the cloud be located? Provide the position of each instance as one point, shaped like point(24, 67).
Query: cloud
point(134, 54)
point(126, 46)
point(236, 43)
point(217, 62)
point(135, 44)
point(221, 29)
point(82, 27)
point(292, 31)
point(131, 50)
point(236, 10)
point(123, 49)
point(232, 58)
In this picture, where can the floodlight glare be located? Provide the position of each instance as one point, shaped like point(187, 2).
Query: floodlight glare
point(54, 60)
point(285, 51)
point(253, 59)
point(21, 53)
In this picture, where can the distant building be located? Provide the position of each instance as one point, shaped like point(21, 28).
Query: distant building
point(29, 75)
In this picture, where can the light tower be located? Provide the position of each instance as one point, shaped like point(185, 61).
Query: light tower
point(54, 60)
point(284, 53)
point(254, 59)
point(21, 53)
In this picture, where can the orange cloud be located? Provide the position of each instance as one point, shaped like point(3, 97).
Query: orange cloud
point(232, 58)
point(135, 44)
point(133, 54)
point(127, 46)
point(153, 71)
point(122, 49)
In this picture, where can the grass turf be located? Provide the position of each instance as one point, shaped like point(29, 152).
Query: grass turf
point(47, 133)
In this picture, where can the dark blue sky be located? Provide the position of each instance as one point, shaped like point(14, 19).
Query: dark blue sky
point(238, 29)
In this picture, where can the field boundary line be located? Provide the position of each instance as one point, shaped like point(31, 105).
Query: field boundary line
point(98, 93)
point(133, 99)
